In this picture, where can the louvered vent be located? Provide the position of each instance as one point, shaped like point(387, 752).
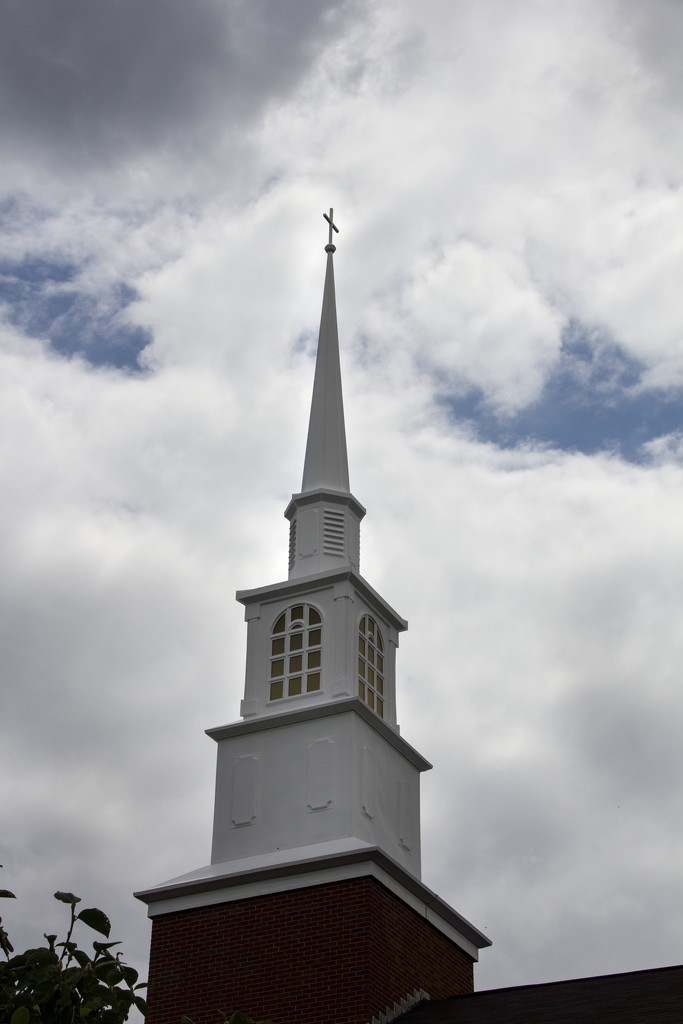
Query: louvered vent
point(333, 532)
point(292, 543)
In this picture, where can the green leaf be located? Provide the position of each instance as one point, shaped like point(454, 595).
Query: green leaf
point(108, 971)
point(111, 1017)
point(95, 1002)
point(95, 919)
point(68, 897)
point(5, 944)
point(41, 956)
point(130, 975)
point(6, 894)
point(240, 1018)
point(20, 1016)
point(99, 947)
point(81, 957)
point(44, 987)
point(186, 1020)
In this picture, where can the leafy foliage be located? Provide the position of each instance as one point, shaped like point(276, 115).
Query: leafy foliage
point(61, 983)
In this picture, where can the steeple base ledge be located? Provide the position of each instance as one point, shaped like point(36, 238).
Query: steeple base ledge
point(329, 709)
point(305, 867)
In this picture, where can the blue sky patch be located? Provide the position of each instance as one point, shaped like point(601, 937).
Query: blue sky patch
point(589, 404)
point(42, 298)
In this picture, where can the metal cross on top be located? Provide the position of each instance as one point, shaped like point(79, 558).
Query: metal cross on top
point(333, 227)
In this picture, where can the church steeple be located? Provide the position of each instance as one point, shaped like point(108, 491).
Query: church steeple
point(312, 906)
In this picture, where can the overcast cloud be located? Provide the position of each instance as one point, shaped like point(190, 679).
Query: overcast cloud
point(507, 180)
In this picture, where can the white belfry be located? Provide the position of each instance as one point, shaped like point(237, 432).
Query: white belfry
point(326, 763)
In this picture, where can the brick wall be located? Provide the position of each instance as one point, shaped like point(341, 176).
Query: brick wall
point(338, 953)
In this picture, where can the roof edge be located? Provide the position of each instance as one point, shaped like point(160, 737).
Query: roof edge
point(345, 705)
point(357, 863)
point(306, 584)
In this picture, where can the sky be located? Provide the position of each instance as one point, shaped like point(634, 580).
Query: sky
point(507, 182)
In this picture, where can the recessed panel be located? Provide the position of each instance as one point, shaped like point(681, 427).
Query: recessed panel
point(405, 815)
point(245, 790)
point(320, 774)
point(368, 783)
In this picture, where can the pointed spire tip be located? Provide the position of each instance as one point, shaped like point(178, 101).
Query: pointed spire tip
point(329, 217)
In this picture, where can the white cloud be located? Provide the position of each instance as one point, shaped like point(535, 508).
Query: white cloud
point(666, 449)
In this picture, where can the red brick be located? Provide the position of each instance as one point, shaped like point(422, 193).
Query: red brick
point(330, 954)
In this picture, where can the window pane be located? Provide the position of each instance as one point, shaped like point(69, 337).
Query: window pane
point(371, 626)
point(278, 645)
point(361, 690)
point(361, 645)
point(379, 684)
point(380, 663)
point(380, 645)
point(380, 707)
point(292, 622)
point(371, 654)
point(371, 699)
point(371, 677)
point(361, 668)
point(362, 625)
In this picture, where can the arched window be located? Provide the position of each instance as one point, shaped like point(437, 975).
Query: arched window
point(295, 652)
point(371, 665)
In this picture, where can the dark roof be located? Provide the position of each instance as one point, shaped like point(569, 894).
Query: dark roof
point(640, 997)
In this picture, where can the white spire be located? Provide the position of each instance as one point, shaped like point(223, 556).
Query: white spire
point(325, 517)
point(326, 463)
